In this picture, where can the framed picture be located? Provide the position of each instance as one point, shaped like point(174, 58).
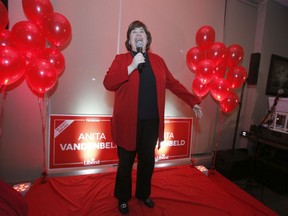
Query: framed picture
point(278, 76)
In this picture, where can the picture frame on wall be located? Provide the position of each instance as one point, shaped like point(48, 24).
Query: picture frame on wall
point(278, 76)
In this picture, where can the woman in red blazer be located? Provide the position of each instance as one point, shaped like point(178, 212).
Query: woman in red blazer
point(139, 79)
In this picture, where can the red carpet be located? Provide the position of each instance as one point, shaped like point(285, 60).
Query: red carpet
point(179, 190)
point(12, 203)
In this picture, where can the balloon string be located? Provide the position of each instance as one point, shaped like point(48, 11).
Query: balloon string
point(221, 120)
point(194, 143)
point(42, 103)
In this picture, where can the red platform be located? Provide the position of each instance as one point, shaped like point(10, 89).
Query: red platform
point(178, 190)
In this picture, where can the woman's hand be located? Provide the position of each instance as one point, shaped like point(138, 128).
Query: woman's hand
point(138, 59)
point(198, 111)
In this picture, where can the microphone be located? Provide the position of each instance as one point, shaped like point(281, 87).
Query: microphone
point(139, 47)
point(279, 93)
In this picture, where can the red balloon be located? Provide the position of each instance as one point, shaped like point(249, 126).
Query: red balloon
point(57, 29)
point(193, 57)
point(217, 52)
point(220, 89)
point(41, 76)
point(235, 54)
point(37, 10)
point(220, 71)
point(236, 76)
point(3, 16)
point(54, 57)
point(28, 38)
point(205, 36)
point(12, 65)
point(205, 70)
point(229, 103)
point(5, 37)
point(199, 88)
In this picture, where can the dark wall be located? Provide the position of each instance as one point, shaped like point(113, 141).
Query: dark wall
point(5, 2)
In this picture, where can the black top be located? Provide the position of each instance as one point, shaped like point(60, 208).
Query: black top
point(147, 98)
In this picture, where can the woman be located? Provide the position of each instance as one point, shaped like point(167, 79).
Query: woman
point(139, 79)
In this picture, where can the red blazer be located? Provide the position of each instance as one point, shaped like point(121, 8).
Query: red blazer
point(124, 120)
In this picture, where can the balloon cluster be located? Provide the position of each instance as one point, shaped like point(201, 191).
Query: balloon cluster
point(216, 68)
point(32, 48)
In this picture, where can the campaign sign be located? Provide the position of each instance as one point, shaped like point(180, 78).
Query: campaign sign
point(81, 141)
point(78, 141)
point(177, 139)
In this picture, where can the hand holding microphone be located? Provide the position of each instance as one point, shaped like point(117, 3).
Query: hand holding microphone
point(138, 61)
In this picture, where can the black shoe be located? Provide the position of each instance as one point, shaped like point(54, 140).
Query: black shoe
point(123, 207)
point(149, 203)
